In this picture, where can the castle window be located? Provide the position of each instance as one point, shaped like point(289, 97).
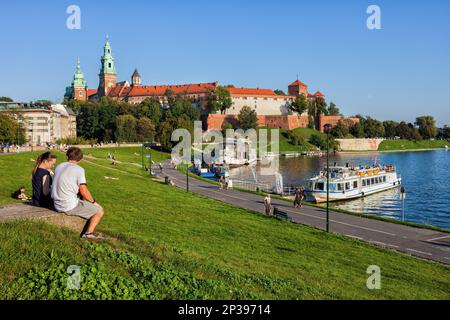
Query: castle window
point(109, 65)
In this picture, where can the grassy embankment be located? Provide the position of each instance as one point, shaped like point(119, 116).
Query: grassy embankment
point(395, 145)
point(286, 143)
point(170, 244)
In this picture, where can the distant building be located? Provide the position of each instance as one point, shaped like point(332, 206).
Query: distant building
point(272, 109)
point(134, 92)
point(43, 124)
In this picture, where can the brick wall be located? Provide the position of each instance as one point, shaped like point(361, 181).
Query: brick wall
point(333, 120)
point(288, 122)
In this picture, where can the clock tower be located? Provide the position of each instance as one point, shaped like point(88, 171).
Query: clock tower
point(107, 73)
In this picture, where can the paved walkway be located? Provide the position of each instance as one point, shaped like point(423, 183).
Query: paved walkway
point(424, 243)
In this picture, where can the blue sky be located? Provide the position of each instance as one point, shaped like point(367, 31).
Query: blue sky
point(398, 72)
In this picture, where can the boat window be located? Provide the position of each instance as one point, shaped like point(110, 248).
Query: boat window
point(372, 181)
point(355, 184)
point(384, 178)
point(376, 180)
point(364, 182)
point(339, 186)
point(319, 186)
point(332, 187)
point(347, 186)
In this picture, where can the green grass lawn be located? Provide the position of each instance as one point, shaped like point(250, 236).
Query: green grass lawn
point(167, 243)
point(392, 145)
point(285, 143)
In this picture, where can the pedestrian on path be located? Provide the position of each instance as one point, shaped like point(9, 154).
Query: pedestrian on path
point(268, 205)
point(297, 198)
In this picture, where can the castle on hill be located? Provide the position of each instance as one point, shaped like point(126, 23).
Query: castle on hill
point(272, 108)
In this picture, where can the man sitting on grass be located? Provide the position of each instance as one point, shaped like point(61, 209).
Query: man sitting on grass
point(71, 195)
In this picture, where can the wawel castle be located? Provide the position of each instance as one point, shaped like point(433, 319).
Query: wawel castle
point(272, 109)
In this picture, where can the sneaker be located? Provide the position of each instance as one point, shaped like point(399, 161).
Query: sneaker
point(92, 236)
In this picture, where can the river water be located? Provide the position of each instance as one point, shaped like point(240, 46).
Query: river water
point(426, 178)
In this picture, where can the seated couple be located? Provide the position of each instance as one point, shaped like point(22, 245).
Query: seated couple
point(67, 190)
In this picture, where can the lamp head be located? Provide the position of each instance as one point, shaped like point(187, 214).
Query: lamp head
point(327, 128)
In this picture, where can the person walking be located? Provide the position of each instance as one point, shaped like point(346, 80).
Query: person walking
point(221, 182)
point(302, 195)
point(297, 198)
point(268, 205)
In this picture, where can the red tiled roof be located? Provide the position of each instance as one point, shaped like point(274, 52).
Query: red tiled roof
point(90, 92)
point(319, 94)
point(251, 91)
point(298, 82)
point(120, 90)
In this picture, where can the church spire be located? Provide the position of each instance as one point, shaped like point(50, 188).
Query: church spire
point(107, 70)
point(78, 78)
point(107, 60)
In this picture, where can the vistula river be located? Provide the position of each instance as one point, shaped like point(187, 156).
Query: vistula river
point(426, 179)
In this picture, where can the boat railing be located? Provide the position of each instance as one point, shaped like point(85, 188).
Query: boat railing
point(252, 185)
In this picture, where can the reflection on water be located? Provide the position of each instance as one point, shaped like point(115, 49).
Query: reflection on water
point(426, 178)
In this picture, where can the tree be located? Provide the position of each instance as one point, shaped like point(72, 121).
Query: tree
point(320, 141)
point(408, 131)
point(44, 102)
point(390, 128)
point(300, 104)
point(373, 128)
point(165, 134)
point(11, 130)
point(151, 109)
point(446, 132)
point(279, 92)
point(357, 130)
point(310, 122)
point(226, 125)
point(316, 107)
point(219, 100)
point(145, 130)
point(126, 128)
point(341, 130)
point(247, 118)
point(333, 110)
point(6, 99)
point(427, 127)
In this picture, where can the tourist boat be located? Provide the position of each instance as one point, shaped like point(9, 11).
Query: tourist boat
point(203, 172)
point(352, 182)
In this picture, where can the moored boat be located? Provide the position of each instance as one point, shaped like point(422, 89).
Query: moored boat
point(352, 182)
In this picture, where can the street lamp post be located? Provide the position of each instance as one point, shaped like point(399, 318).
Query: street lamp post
point(327, 129)
point(187, 177)
point(142, 151)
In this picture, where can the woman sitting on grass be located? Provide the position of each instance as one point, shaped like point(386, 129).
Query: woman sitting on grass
point(42, 180)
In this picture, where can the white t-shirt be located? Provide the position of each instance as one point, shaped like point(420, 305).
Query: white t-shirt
point(66, 185)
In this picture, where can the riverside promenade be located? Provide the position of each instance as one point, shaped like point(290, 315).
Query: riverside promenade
point(420, 242)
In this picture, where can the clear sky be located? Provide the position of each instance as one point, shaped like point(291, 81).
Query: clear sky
point(398, 72)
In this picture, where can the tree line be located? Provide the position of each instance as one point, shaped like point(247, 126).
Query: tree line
point(424, 128)
point(108, 120)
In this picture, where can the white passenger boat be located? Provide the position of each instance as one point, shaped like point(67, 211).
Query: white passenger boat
point(352, 182)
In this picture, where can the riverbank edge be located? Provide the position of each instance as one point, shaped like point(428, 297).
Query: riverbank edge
point(354, 213)
point(394, 151)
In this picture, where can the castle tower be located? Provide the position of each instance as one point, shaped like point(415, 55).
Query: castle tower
point(79, 85)
point(107, 73)
point(136, 78)
point(297, 87)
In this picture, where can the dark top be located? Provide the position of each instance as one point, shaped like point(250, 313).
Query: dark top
point(39, 199)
